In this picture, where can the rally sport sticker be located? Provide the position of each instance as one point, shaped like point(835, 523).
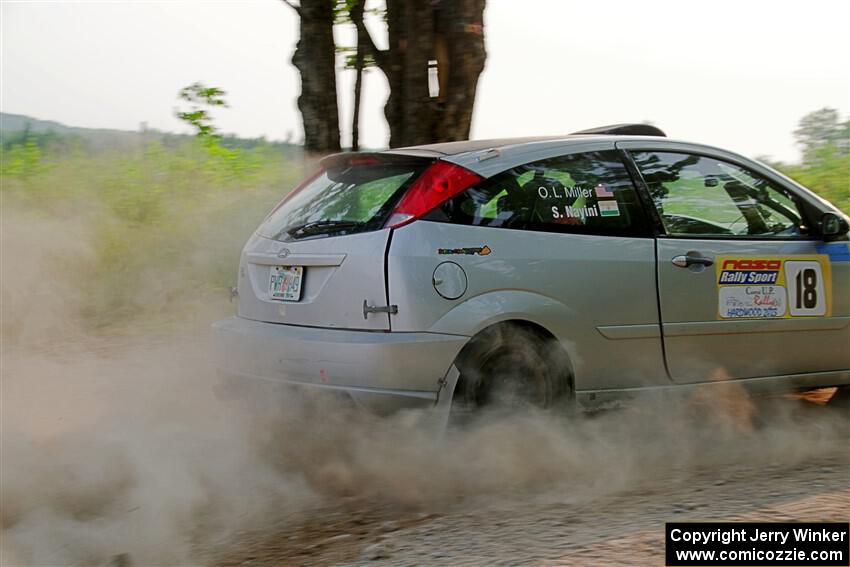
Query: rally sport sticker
point(769, 287)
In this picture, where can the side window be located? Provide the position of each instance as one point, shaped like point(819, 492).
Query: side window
point(589, 193)
point(703, 196)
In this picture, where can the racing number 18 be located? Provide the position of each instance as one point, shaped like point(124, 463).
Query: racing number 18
point(806, 292)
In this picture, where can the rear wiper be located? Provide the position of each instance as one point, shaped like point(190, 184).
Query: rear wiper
point(319, 227)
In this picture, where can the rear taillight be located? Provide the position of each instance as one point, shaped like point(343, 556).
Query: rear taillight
point(436, 185)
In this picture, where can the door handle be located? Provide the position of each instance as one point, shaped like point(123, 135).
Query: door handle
point(688, 260)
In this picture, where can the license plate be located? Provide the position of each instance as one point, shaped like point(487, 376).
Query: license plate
point(285, 282)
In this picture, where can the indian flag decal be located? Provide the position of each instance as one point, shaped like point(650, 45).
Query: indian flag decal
point(608, 208)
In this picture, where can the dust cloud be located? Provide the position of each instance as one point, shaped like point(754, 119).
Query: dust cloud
point(122, 450)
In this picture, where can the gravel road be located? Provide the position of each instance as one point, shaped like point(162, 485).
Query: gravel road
point(568, 527)
point(119, 453)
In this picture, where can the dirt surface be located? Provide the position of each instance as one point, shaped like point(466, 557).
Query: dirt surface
point(551, 528)
point(122, 452)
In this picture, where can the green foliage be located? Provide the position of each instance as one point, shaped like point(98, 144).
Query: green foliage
point(342, 10)
point(345, 12)
point(21, 137)
point(22, 160)
point(825, 168)
point(822, 128)
point(826, 171)
point(199, 118)
point(165, 225)
point(350, 54)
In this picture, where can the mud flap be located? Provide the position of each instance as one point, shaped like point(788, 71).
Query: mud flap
point(443, 406)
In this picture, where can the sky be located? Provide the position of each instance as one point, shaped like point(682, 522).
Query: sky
point(736, 74)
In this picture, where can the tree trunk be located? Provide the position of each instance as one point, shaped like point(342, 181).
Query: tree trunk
point(417, 115)
point(357, 14)
point(393, 68)
point(450, 31)
point(461, 23)
point(355, 117)
point(315, 59)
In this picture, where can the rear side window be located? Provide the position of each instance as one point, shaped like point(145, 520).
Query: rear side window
point(589, 193)
point(342, 200)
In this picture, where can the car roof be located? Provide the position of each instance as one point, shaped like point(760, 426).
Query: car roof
point(465, 146)
point(463, 150)
point(617, 131)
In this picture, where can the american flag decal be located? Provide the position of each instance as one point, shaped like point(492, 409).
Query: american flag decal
point(602, 191)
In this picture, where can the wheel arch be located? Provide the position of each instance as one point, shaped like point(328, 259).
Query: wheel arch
point(508, 326)
point(473, 316)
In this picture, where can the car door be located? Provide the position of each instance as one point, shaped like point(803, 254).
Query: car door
point(745, 289)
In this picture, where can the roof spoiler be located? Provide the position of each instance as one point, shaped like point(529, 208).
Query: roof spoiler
point(626, 130)
point(352, 159)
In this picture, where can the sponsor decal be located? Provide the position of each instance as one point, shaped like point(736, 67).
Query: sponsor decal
point(469, 251)
point(767, 287)
point(564, 192)
point(762, 301)
point(609, 208)
point(603, 192)
point(749, 271)
point(581, 208)
point(574, 212)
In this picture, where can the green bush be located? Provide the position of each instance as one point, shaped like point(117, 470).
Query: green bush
point(166, 225)
point(826, 171)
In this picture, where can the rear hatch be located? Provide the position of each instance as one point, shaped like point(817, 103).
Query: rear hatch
point(319, 256)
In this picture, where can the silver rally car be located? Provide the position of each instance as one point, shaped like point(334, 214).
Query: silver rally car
point(603, 263)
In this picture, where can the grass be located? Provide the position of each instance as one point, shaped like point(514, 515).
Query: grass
point(163, 227)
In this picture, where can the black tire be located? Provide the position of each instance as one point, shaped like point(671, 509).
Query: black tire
point(511, 367)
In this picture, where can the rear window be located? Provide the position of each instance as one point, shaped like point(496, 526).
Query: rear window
point(342, 200)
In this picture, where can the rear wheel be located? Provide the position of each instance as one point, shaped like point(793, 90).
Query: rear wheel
point(511, 367)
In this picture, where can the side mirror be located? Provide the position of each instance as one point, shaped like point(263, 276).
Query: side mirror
point(832, 226)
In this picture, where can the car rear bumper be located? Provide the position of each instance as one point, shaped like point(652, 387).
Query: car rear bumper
point(382, 371)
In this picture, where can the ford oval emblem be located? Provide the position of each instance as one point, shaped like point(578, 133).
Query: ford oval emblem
point(283, 253)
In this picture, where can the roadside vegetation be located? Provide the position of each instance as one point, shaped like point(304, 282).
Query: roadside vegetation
point(827, 172)
point(158, 228)
point(161, 223)
point(825, 165)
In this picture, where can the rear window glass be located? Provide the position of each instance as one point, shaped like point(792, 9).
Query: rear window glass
point(586, 193)
point(342, 200)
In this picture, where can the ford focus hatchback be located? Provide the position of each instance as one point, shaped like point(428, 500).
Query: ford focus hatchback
point(581, 267)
